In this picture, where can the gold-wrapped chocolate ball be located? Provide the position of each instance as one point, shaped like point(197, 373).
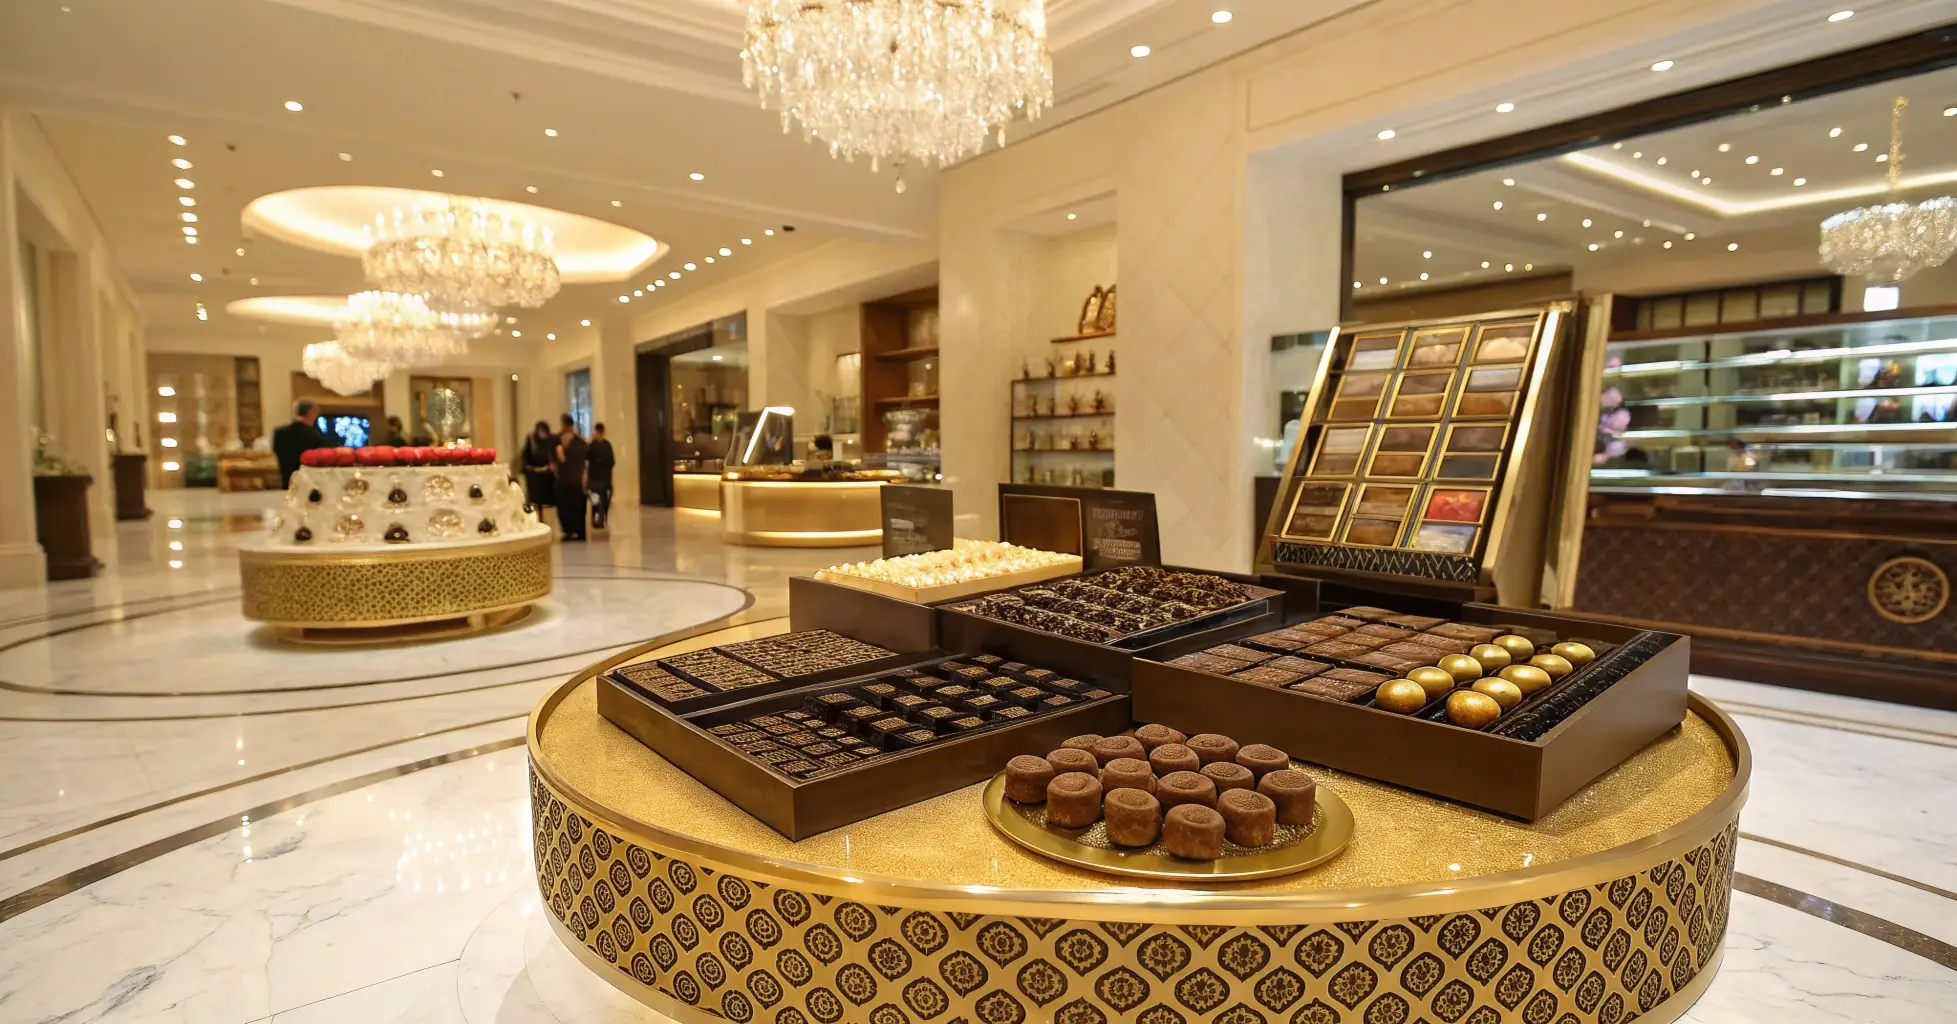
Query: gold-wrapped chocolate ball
point(1493, 658)
point(1573, 652)
point(1527, 678)
point(1436, 681)
point(1401, 696)
point(1520, 648)
point(1472, 710)
point(1463, 668)
point(1555, 664)
point(1502, 691)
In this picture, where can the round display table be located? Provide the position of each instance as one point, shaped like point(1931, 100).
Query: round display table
point(1612, 907)
point(375, 593)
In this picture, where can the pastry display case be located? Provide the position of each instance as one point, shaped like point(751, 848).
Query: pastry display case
point(1783, 490)
point(1427, 453)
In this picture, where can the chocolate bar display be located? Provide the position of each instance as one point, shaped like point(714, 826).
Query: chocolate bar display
point(1108, 606)
point(734, 671)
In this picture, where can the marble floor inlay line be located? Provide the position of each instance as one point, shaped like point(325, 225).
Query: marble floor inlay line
point(1927, 947)
point(1839, 724)
point(258, 712)
point(35, 620)
point(56, 888)
point(1856, 865)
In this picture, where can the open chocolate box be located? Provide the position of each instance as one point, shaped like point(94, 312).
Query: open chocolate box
point(1525, 764)
point(823, 755)
point(1262, 608)
point(711, 676)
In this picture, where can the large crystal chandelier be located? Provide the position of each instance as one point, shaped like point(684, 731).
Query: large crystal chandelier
point(342, 374)
point(396, 327)
point(900, 80)
point(462, 254)
point(1891, 242)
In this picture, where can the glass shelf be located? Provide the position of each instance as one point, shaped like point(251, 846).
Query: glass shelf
point(1855, 408)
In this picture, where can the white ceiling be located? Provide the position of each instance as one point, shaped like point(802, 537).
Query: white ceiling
point(641, 94)
point(1623, 188)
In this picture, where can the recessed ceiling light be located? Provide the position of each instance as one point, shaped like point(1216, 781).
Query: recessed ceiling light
point(1356, 284)
point(1504, 108)
point(1484, 264)
point(186, 201)
point(697, 176)
point(1950, 111)
point(1594, 247)
point(1528, 266)
point(294, 105)
point(177, 140)
point(552, 132)
point(1073, 216)
point(1753, 160)
point(1586, 222)
point(1840, 16)
point(584, 323)
point(1778, 171)
point(437, 172)
point(241, 250)
point(1707, 180)
point(675, 275)
point(1725, 147)
point(1690, 236)
point(196, 277)
point(509, 319)
point(1732, 246)
point(254, 280)
point(186, 183)
point(1638, 155)
point(1423, 277)
point(1617, 145)
point(1860, 146)
point(346, 157)
point(1647, 223)
point(662, 282)
point(1221, 17)
point(1663, 160)
point(1382, 280)
point(1834, 133)
point(724, 251)
point(1663, 65)
point(1619, 234)
point(1668, 243)
point(617, 203)
point(1882, 158)
point(638, 293)
point(1508, 181)
point(189, 230)
point(550, 337)
point(180, 164)
point(1542, 216)
point(1695, 173)
point(1508, 268)
point(516, 334)
point(188, 217)
point(1139, 50)
point(625, 298)
point(747, 241)
point(769, 231)
point(1498, 204)
point(532, 189)
point(1798, 182)
point(1427, 254)
point(1387, 134)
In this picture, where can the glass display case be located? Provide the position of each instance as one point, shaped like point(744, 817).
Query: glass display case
point(1833, 410)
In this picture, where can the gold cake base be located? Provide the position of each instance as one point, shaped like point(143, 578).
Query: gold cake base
point(1613, 906)
point(391, 594)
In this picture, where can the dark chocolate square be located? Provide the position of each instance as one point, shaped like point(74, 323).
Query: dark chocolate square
point(798, 738)
point(1357, 675)
point(728, 730)
point(1095, 694)
point(877, 693)
point(1026, 696)
point(1381, 629)
point(840, 759)
point(953, 692)
point(747, 735)
point(907, 702)
point(830, 706)
point(1305, 666)
point(756, 746)
point(1011, 713)
point(883, 727)
point(936, 715)
point(763, 721)
point(799, 768)
point(864, 750)
point(862, 713)
point(774, 755)
point(1368, 612)
point(1066, 685)
point(1393, 663)
point(1422, 622)
point(1011, 668)
point(1338, 649)
point(965, 724)
point(1235, 652)
point(905, 739)
point(1039, 675)
point(1056, 702)
point(820, 749)
point(1203, 661)
point(830, 732)
point(988, 660)
point(982, 703)
point(1336, 689)
point(1281, 639)
point(1464, 631)
point(782, 729)
point(1267, 675)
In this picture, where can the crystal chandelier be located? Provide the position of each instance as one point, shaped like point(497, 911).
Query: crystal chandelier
point(1891, 242)
point(900, 80)
point(462, 254)
point(397, 328)
point(342, 374)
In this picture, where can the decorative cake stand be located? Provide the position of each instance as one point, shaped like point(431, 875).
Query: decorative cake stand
point(384, 593)
point(1613, 905)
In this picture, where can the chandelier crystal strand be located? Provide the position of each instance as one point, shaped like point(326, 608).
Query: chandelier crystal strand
point(462, 253)
point(341, 373)
point(900, 80)
point(1889, 243)
point(396, 328)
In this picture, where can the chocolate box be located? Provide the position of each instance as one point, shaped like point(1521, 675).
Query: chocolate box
point(864, 615)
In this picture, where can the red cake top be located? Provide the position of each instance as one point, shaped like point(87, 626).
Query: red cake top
point(387, 455)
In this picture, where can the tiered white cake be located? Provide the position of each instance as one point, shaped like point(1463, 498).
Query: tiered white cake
point(395, 505)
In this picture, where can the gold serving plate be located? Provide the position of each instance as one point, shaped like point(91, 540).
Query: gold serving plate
point(1296, 848)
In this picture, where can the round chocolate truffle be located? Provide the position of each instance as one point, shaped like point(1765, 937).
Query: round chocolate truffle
point(1193, 831)
point(1109, 748)
point(1127, 773)
point(1229, 775)
point(1073, 759)
point(1173, 757)
point(1211, 747)
point(1153, 736)
point(1294, 793)
point(1263, 759)
point(1026, 779)
point(1185, 788)
point(1134, 817)
point(1249, 817)
point(1073, 800)
point(1085, 742)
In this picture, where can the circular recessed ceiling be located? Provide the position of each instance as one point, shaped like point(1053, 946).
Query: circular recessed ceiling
point(305, 310)
point(334, 219)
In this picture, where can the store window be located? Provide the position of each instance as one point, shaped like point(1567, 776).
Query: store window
point(577, 399)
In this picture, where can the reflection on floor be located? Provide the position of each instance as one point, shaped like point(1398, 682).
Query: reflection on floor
point(201, 824)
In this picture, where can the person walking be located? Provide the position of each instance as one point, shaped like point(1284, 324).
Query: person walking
point(394, 435)
point(599, 461)
point(299, 437)
point(538, 451)
point(569, 487)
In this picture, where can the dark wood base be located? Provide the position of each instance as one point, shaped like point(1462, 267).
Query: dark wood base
point(131, 479)
point(61, 525)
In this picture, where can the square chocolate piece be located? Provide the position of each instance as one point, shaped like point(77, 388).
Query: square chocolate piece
point(1065, 685)
point(756, 746)
point(1418, 652)
point(764, 721)
point(1336, 689)
point(1011, 713)
point(1039, 675)
point(798, 738)
point(1393, 663)
point(797, 716)
point(999, 686)
point(1055, 702)
point(820, 749)
point(1011, 668)
point(1357, 675)
point(862, 714)
point(1381, 629)
point(877, 693)
point(953, 692)
point(840, 759)
point(984, 703)
point(881, 728)
point(774, 755)
point(1266, 675)
point(1420, 622)
point(1305, 666)
point(905, 703)
point(970, 673)
point(1338, 649)
point(783, 728)
point(864, 750)
point(1441, 644)
point(830, 706)
point(1237, 653)
point(1369, 613)
point(1346, 621)
point(1359, 639)
point(1463, 631)
point(1095, 695)
point(799, 768)
point(830, 732)
point(747, 735)
point(1282, 639)
point(1026, 696)
point(1324, 630)
point(988, 660)
point(937, 716)
point(728, 730)
point(1204, 662)
point(966, 724)
point(905, 739)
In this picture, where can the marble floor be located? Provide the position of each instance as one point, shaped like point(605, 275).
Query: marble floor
point(199, 823)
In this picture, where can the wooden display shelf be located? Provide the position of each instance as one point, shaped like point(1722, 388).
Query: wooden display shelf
point(905, 400)
point(1062, 376)
point(906, 354)
point(895, 335)
point(1061, 451)
point(1083, 337)
point(1068, 415)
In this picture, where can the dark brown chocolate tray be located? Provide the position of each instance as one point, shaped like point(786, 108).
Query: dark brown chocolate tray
point(1524, 765)
point(1258, 602)
point(836, 796)
point(623, 676)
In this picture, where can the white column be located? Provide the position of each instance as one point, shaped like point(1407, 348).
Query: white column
point(22, 563)
point(71, 373)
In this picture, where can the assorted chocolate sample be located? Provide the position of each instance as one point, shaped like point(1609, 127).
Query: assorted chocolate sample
point(1107, 606)
point(747, 664)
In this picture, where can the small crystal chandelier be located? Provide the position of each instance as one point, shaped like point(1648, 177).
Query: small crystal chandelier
point(342, 374)
point(1891, 242)
point(900, 80)
point(397, 328)
point(462, 254)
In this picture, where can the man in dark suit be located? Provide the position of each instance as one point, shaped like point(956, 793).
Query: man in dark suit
point(297, 438)
point(569, 458)
point(599, 461)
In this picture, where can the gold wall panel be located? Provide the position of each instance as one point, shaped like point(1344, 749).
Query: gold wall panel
point(387, 588)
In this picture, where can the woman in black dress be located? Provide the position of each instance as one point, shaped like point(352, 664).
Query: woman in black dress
point(537, 479)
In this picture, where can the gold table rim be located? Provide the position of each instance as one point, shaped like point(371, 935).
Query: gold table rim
point(1499, 889)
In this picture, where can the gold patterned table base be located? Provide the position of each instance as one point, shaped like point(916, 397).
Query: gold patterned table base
point(326, 590)
point(703, 944)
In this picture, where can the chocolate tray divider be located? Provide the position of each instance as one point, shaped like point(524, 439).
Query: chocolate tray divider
point(720, 698)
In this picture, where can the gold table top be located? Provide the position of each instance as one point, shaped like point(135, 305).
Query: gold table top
point(1406, 845)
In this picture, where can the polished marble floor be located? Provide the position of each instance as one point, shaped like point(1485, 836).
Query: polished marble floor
point(200, 823)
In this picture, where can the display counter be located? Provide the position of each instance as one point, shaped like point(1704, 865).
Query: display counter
point(697, 491)
point(1613, 905)
point(782, 509)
